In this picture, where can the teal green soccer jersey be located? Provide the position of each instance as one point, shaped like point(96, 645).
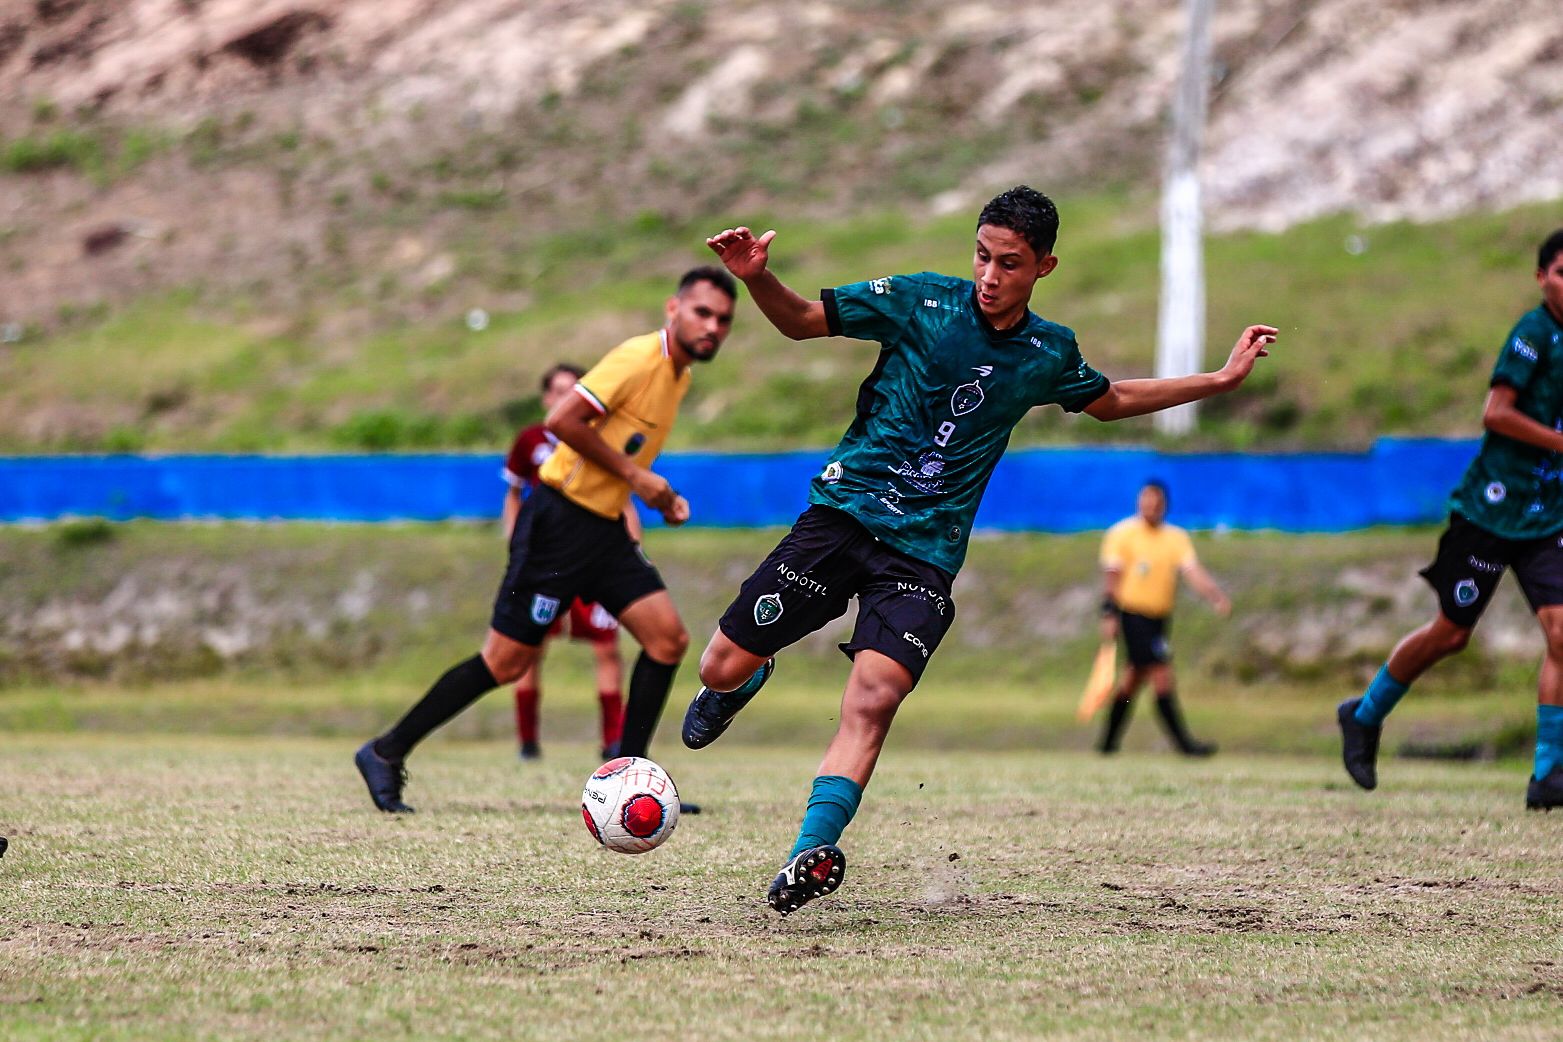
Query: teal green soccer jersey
point(935, 415)
point(1512, 489)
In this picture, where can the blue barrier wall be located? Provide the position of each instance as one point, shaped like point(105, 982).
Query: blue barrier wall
point(1054, 490)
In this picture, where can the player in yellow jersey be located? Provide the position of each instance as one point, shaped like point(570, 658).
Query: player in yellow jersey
point(569, 538)
point(1142, 558)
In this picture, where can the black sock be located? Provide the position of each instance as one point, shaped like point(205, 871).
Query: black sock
point(1117, 720)
point(462, 685)
point(649, 686)
point(1172, 720)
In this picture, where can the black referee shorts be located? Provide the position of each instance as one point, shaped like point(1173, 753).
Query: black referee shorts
point(560, 551)
point(1145, 639)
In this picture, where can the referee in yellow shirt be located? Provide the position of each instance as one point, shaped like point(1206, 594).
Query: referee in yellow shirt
point(1142, 557)
point(569, 539)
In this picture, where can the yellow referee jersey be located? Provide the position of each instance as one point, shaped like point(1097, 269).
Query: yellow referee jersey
point(1149, 560)
point(636, 393)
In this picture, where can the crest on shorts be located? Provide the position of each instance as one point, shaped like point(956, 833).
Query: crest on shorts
point(544, 609)
point(1495, 492)
point(1465, 592)
point(767, 609)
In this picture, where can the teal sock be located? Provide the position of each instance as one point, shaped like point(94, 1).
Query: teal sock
point(1380, 697)
point(831, 806)
point(1549, 739)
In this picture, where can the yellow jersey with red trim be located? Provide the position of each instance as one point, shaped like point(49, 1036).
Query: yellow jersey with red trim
point(636, 392)
point(1148, 560)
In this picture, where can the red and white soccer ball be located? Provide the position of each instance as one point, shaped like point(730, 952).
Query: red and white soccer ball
point(630, 805)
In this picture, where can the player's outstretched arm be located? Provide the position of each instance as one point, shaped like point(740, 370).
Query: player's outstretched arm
point(1138, 397)
point(747, 258)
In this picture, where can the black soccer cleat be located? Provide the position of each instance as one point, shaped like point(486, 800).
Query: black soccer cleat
point(1199, 750)
point(533, 751)
point(385, 779)
point(685, 807)
point(1359, 744)
point(813, 873)
point(712, 711)
point(1545, 793)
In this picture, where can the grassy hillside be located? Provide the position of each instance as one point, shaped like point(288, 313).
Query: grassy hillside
point(1386, 330)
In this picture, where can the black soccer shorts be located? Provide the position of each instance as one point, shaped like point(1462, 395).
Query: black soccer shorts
point(904, 605)
point(1145, 639)
point(1471, 561)
point(560, 551)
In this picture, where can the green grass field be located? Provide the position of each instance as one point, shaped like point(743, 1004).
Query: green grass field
point(193, 855)
point(169, 887)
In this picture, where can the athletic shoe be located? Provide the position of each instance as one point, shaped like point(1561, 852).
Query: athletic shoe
point(711, 711)
point(1545, 793)
point(3, 844)
point(1199, 749)
point(531, 751)
point(813, 873)
point(1359, 744)
point(609, 752)
point(385, 779)
point(688, 808)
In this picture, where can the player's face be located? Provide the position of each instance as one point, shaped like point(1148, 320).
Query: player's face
point(1550, 279)
point(1005, 268)
point(1152, 505)
point(699, 319)
point(558, 387)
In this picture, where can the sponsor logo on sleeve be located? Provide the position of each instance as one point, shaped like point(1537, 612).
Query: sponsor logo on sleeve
point(767, 609)
point(832, 472)
point(544, 609)
point(1465, 592)
point(1522, 347)
point(880, 286)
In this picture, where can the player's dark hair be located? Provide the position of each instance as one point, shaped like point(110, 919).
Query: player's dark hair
point(1549, 250)
point(1026, 212)
point(716, 276)
point(1160, 486)
point(562, 367)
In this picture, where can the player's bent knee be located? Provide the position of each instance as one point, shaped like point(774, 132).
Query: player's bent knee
point(669, 647)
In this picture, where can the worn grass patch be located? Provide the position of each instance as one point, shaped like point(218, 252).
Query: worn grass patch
point(171, 888)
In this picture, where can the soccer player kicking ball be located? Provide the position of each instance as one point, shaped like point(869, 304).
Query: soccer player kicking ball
point(1507, 513)
point(570, 540)
point(961, 362)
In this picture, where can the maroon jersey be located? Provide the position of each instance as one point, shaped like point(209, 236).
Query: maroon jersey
point(532, 447)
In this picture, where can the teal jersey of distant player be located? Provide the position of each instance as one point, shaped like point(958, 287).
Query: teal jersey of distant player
point(935, 415)
point(1513, 489)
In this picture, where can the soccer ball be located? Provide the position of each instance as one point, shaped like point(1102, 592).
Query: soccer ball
point(630, 805)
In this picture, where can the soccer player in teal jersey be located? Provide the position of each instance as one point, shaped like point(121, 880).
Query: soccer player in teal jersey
point(961, 361)
point(1507, 513)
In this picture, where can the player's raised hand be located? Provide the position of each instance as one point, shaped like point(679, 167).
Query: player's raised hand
point(1253, 345)
point(741, 253)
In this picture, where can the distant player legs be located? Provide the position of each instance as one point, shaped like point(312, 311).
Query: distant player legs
point(653, 621)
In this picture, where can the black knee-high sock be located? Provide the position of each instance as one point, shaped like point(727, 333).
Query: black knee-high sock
point(462, 685)
point(1117, 720)
point(649, 686)
point(1172, 720)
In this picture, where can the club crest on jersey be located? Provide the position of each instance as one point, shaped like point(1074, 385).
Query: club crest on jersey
point(1496, 492)
point(967, 397)
point(767, 609)
point(1465, 592)
point(544, 609)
